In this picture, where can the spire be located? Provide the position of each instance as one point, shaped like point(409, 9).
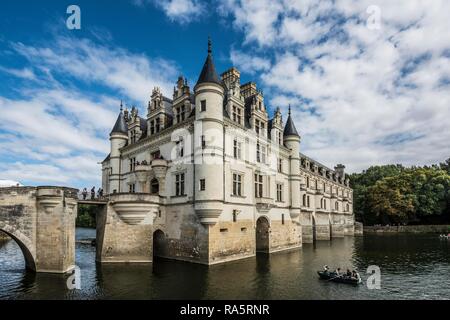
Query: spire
point(121, 125)
point(289, 129)
point(209, 73)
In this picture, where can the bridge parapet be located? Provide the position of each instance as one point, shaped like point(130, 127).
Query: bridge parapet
point(42, 222)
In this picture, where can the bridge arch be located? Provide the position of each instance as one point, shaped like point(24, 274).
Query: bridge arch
point(24, 244)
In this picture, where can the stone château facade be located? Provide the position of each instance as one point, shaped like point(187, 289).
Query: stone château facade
point(207, 176)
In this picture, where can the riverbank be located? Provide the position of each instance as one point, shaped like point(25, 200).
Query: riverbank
point(445, 229)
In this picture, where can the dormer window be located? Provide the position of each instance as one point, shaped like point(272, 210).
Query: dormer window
point(181, 111)
point(158, 124)
point(237, 114)
point(152, 127)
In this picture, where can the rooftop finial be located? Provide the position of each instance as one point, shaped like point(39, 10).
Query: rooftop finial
point(289, 109)
point(209, 45)
point(121, 106)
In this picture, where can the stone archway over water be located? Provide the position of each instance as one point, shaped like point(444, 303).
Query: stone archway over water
point(24, 245)
point(262, 235)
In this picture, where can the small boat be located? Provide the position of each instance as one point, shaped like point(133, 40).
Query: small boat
point(332, 276)
point(444, 236)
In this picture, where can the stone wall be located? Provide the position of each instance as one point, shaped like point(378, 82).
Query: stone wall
point(186, 239)
point(285, 236)
point(42, 222)
point(121, 242)
point(231, 240)
point(408, 229)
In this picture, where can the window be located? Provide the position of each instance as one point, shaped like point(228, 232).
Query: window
point(180, 147)
point(263, 154)
point(304, 200)
point(279, 192)
point(133, 136)
point(258, 186)
point(132, 164)
point(203, 105)
point(202, 184)
point(308, 202)
point(237, 184)
point(132, 188)
point(154, 184)
point(280, 165)
point(307, 182)
point(155, 155)
point(279, 137)
point(236, 114)
point(203, 142)
point(336, 206)
point(258, 152)
point(181, 112)
point(347, 208)
point(237, 149)
point(257, 126)
point(152, 127)
point(179, 184)
point(158, 124)
point(282, 218)
point(234, 215)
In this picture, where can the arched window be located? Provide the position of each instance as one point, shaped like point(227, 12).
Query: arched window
point(347, 208)
point(304, 200)
point(307, 182)
point(154, 186)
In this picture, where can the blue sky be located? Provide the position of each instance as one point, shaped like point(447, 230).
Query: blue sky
point(366, 87)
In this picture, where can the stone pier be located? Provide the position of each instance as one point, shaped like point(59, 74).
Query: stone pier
point(41, 220)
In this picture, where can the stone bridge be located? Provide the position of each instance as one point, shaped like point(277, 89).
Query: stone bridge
point(42, 222)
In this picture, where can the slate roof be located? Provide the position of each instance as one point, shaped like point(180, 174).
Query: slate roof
point(121, 125)
point(289, 129)
point(209, 74)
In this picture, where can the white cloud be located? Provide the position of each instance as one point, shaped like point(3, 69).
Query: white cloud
point(362, 96)
point(179, 11)
point(24, 73)
point(55, 130)
point(248, 63)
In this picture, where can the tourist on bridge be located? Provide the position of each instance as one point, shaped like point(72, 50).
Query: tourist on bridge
point(84, 193)
point(93, 193)
point(100, 192)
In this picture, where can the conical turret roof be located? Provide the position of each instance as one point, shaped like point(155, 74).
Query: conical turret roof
point(121, 125)
point(289, 129)
point(209, 73)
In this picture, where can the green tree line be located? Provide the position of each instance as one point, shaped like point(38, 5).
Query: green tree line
point(394, 194)
point(86, 216)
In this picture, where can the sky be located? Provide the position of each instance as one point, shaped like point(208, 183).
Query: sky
point(368, 81)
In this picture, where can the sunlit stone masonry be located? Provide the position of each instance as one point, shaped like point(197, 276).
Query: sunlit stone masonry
point(208, 177)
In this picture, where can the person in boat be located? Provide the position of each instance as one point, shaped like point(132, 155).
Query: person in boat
point(348, 274)
point(325, 268)
point(338, 271)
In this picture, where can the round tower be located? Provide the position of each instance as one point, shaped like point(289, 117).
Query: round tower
point(209, 143)
point(118, 138)
point(291, 140)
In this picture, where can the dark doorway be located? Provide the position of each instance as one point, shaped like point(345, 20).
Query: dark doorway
point(154, 186)
point(159, 244)
point(262, 235)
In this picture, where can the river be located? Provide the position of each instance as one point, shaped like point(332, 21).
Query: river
point(412, 267)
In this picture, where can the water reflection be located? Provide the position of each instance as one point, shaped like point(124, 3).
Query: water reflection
point(412, 267)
